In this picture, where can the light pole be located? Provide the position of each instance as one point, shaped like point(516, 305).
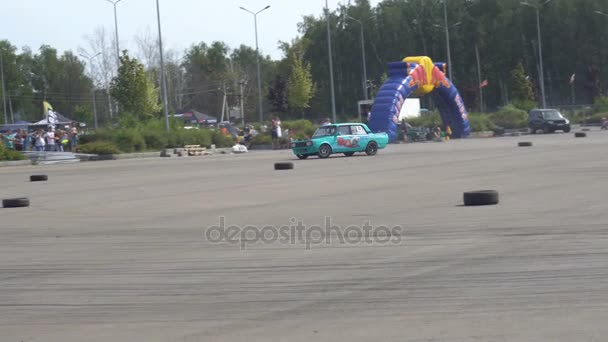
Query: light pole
point(365, 95)
point(92, 78)
point(242, 84)
point(446, 28)
point(3, 88)
point(257, 51)
point(447, 37)
point(540, 50)
point(162, 69)
point(114, 3)
point(331, 64)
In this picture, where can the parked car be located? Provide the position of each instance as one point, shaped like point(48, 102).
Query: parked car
point(346, 138)
point(547, 120)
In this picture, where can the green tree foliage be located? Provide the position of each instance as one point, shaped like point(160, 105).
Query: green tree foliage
point(300, 88)
point(522, 92)
point(31, 78)
point(277, 95)
point(134, 90)
point(521, 87)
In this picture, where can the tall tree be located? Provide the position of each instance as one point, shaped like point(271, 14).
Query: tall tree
point(521, 88)
point(300, 88)
point(134, 90)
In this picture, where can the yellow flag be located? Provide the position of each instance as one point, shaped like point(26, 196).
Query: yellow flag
point(47, 107)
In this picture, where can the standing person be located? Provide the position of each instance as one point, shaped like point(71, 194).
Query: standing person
point(276, 132)
point(49, 137)
point(73, 138)
point(39, 140)
point(19, 140)
point(326, 122)
point(9, 140)
point(59, 140)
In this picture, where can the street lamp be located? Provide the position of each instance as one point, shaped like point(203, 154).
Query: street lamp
point(114, 3)
point(331, 64)
point(3, 89)
point(162, 69)
point(446, 28)
point(92, 78)
point(362, 53)
point(255, 21)
point(447, 37)
point(540, 49)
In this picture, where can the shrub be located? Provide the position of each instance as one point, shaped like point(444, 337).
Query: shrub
point(221, 140)
point(98, 147)
point(193, 137)
point(510, 117)
point(432, 119)
point(601, 104)
point(481, 123)
point(154, 139)
point(261, 139)
point(525, 105)
point(300, 128)
point(129, 140)
point(6, 154)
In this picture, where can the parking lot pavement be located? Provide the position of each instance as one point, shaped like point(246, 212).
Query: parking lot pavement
point(127, 250)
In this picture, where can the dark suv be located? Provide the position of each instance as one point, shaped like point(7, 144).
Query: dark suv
point(547, 120)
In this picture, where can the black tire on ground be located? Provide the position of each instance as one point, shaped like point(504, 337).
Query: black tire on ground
point(349, 154)
point(15, 202)
point(324, 151)
point(580, 134)
point(525, 144)
point(302, 156)
point(372, 148)
point(283, 166)
point(38, 178)
point(480, 198)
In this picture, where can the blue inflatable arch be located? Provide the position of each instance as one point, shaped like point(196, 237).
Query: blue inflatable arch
point(419, 76)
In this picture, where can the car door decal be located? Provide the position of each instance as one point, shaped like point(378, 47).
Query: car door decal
point(349, 142)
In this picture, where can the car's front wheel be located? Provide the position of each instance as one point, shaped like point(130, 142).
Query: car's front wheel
point(567, 129)
point(324, 151)
point(371, 149)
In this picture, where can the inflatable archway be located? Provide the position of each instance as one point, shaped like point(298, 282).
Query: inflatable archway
point(418, 76)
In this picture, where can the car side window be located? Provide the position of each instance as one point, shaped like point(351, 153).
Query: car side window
point(358, 130)
point(344, 130)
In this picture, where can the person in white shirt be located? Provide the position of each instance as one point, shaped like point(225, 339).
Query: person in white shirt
point(39, 140)
point(50, 140)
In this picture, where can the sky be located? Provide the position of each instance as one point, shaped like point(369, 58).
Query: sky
point(64, 24)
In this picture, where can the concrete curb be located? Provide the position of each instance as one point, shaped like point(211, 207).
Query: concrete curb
point(138, 155)
point(16, 163)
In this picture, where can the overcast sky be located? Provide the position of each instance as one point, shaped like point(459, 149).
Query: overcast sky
point(64, 24)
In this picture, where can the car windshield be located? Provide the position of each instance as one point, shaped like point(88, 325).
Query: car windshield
point(324, 131)
point(552, 115)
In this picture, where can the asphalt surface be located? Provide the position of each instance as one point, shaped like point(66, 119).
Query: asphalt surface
point(122, 250)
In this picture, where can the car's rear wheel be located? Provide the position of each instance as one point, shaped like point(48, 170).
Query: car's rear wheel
point(372, 148)
point(324, 151)
point(349, 154)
